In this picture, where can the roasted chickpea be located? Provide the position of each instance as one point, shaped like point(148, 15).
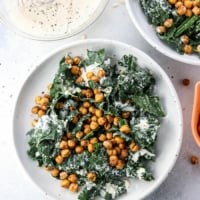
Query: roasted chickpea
point(98, 113)
point(72, 178)
point(125, 129)
point(91, 176)
point(63, 175)
point(65, 183)
point(116, 121)
point(92, 109)
point(79, 134)
point(185, 39)
point(93, 140)
point(79, 149)
point(75, 119)
point(86, 104)
point(196, 10)
point(69, 135)
point(44, 101)
point(107, 126)
point(120, 164)
point(55, 172)
point(91, 148)
point(89, 75)
point(109, 135)
point(160, 29)
point(94, 118)
point(187, 49)
point(83, 110)
point(94, 125)
point(34, 122)
point(168, 23)
point(96, 90)
point(110, 118)
point(188, 3)
point(75, 70)
point(178, 4)
point(41, 113)
point(107, 144)
point(172, 1)
point(89, 93)
point(65, 153)
point(76, 60)
point(38, 99)
point(87, 130)
point(102, 137)
point(181, 10)
point(134, 147)
point(83, 92)
point(69, 61)
point(59, 159)
point(121, 146)
point(79, 79)
point(101, 73)
point(126, 115)
point(110, 152)
point(63, 144)
point(71, 143)
point(194, 160)
point(124, 153)
point(188, 13)
point(35, 109)
point(99, 97)
point(44, 107)
point(118, 139)
point(84, 143)
point(196, 3)
point(113, 160)
point(101, 121)
point(95, 78)
point(73, 187)
point(198, 48)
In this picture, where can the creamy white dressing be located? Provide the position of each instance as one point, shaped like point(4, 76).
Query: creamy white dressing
point(43, 123)
point(140, 172)
point(53, 17)
point(124, 106)
point(143, 124)
point(111, 189)
point(141, 152)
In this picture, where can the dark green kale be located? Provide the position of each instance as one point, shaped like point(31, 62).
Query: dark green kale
point(156, 10)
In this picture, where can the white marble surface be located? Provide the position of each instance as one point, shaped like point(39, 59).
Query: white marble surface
point(17, 58)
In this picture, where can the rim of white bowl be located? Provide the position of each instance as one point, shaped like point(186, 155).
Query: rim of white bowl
point(114, 42)
point(176, 56)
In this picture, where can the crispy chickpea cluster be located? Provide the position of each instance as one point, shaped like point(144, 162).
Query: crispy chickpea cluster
point(186, 8)
point(41, 107)
point(76, 143)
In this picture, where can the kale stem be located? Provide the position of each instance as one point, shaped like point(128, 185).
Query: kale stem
point(186, 25)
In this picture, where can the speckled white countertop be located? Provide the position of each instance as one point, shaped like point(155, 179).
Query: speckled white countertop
point(17, 58)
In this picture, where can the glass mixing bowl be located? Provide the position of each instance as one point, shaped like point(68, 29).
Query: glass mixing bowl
point(50, 19)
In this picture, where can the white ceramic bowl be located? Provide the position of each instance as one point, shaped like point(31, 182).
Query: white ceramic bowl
point(169, 136)
point(148, 32)
point(18, 16)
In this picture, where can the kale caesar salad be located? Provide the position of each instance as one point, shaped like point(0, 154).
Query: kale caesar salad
point(96, 128)
point(177, 22)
